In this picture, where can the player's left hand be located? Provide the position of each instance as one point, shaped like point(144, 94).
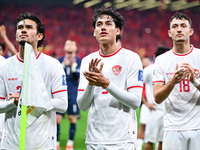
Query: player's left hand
point(189, 71)
point(15, 96)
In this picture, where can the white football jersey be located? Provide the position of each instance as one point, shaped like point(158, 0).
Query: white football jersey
point(1, 115)
point(148, 78)
point(109, 121)
point(40, 134)
point(181, 108)
point(1, 58)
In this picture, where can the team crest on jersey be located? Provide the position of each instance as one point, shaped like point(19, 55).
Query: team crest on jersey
point(196, 73)
point(64, 82)
point(116, 69)
point(140, 75)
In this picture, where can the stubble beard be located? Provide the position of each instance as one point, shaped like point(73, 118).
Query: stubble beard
point(22, 42)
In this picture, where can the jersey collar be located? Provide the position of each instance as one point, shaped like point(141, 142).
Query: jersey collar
point(178, 54)
point(21, 60)
point(110, 54)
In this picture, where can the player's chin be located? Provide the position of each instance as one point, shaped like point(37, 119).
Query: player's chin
point(104, 41)
point(180, 41)
point(22, 42)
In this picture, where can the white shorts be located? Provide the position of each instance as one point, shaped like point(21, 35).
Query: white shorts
point(120, 146)
point(181, 140)
point(144, 112)
point(154, 127)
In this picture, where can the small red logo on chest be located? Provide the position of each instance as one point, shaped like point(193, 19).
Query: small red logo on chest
point(116, 69)
point(196, 73)
point(12, 79)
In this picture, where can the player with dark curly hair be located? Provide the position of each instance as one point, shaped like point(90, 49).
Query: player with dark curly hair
point(111, 89)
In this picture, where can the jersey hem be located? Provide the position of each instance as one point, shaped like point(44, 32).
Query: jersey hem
point(109, 142)
point(180, 129)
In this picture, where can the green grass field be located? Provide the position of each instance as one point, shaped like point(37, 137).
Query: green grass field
point(79, 141)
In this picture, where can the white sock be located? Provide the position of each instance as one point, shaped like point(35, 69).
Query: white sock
point(156, 147)
point(70, 142)
point(139, 144)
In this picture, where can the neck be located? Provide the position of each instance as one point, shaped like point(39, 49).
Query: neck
point(107, 49)
point(21, 52)
point(182, 48)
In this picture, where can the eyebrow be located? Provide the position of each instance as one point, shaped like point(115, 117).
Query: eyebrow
point(21, 25)
point(178, 24)
point(105, 21)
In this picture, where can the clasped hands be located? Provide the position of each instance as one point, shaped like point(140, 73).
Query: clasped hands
point(186, 71)
point(94, 74)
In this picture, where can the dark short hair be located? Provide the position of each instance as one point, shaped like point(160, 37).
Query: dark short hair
point(117, 17)
point(180, 16)
point(161, 50)
point(3, 46)
point(40, 26)
point(118, 37)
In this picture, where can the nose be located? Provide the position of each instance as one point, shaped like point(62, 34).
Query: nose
point(23, 31)
point(179, 29)
point(103, 27)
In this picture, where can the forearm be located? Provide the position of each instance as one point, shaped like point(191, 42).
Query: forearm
point(6, 106)
point(60, 102)
point(130, 99)
point(85, 98)
point(10, 45)
point(162, 93)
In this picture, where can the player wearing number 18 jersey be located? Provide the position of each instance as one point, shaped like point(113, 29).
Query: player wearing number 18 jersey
point(184, 96)
point(176, 83)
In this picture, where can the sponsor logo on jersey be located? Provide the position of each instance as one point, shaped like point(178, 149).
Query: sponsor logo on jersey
point(12, 79)
point(171, 73)
point(116, 69)
point(196, 73)
point(140, 75)
point(64, 82)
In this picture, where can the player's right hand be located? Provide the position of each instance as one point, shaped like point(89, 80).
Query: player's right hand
point(179, 75)
point(2, 31)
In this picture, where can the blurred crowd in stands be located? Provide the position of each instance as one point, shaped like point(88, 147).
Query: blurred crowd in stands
point(143, 32)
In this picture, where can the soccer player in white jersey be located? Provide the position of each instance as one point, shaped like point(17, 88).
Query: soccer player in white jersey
point(111, 87)
point(176, 83)
point(155, 122)
point(41, 134)
point(1, 115)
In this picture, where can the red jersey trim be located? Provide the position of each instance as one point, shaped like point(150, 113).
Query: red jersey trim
point(110, 54)
point(137, 86)
point(183, 54)
point(59, 91)
point(81, 90)
point(17, 55)
point(105, 92)
point(158, 81)
point(38, 55)
point(19, 58)
point(2, 98)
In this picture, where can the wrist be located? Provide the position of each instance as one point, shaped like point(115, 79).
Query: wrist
point(196, 82)
point(105, 85)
